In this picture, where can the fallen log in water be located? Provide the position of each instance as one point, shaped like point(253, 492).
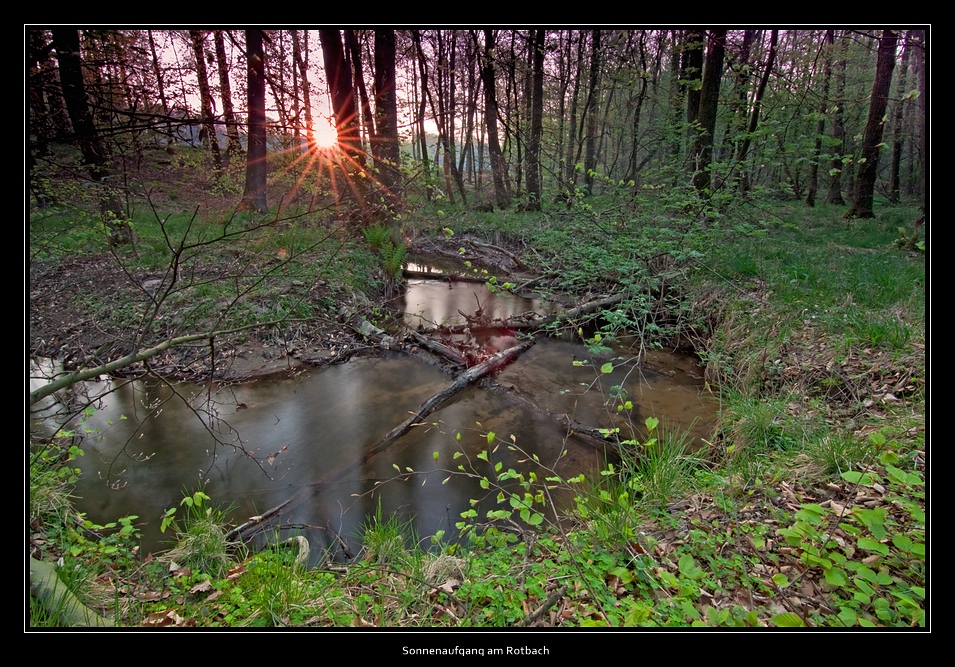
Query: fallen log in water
point(466, 378)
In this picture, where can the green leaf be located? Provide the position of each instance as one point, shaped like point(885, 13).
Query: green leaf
point(902, 542)
point(848, 617)
point(856, 477)
point(781, 580)
point(836, 576)
point(606, 368)
point(788, 620)
point(874, 520)
point(872, 545)
point(688, 567)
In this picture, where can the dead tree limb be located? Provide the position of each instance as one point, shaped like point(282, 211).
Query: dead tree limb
point(469, 376)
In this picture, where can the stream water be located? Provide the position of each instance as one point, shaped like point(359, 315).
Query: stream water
point(304, 437)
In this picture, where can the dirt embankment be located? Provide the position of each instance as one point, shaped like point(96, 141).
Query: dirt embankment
point(89, 311)
point(83, 313)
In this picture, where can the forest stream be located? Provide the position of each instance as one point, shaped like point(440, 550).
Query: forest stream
point(304, 440)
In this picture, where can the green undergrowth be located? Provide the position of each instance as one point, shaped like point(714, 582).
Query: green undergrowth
point(806, 506)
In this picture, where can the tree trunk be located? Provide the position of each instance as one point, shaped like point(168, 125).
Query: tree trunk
point(343, 99)
point(899, 128)
point(757, 105)
point(208, 133)
point(255, 170)
point(918, 55)
point(691, 69)
point(421, 111)
point(67, 45)
point(821, 125)
point(838, 129)
point(387, 154)
point(537, 124)
point(709, 98)
point(354, 49)
point(301, 66)
point(573, 143)
point(228, 112)
point(872, 137)
point(502, 195)
point(160, 84)
point(592, 107)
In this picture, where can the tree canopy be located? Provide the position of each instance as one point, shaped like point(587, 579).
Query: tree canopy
point(495, 117)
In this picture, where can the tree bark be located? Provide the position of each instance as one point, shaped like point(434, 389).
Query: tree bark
point(757, 105)
point(537, 123)
point(353, 48)
point(208, 134)
point(387, 154)
point(161, 88)
point(872, 137)
point(301, 67)
point(591, 110)
point(899, 128)
point(709, 99)
point(255, 171)
point(228, 112)
point(502, 195)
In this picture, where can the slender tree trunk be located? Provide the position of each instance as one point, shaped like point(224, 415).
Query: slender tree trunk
point(502, 193)
point(160, 84)
point(742, 69)
point(573, 142)
point(872, 137)
point(631, 173)
point(821, 125)
point(593, 106)
point(467, 142)
point(301, 64)
point(677, 99)
point(838, 128)
point(208, 134)
point(537, 123)
point(254, 197)
point(691, 67)
point(899, 128)
point(422, 110)
point(918, 55)
point(358, 86)
point(228, 112)
point(343, 99)
point(757, 106)
point(445, 111)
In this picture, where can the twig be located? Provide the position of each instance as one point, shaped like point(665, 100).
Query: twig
point(548, 603)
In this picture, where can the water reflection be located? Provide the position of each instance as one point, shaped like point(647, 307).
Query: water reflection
point(305, 437)
point(430, 303)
